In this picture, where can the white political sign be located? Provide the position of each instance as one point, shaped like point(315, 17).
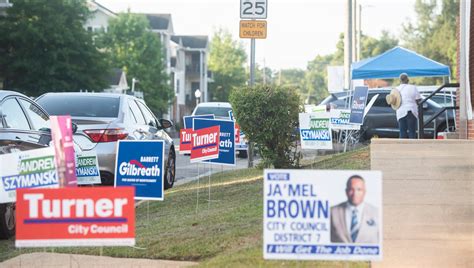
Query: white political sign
point(315, 132)
point(87, 168)
point(322, 215)
point(340, 120)
point(27, 169)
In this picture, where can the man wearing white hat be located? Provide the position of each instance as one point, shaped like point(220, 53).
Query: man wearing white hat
point(404, 99)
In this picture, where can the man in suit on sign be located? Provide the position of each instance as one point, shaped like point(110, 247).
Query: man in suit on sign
point(355, 221)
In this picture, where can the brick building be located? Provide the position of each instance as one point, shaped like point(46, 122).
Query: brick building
point(465, 74)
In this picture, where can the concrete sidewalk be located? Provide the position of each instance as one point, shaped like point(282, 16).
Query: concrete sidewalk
point(74, 260)
point(428, 202)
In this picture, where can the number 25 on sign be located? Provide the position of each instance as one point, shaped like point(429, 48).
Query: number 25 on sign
point(253, 9)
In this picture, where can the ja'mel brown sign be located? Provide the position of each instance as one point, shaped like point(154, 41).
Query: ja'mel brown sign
point(253, 29)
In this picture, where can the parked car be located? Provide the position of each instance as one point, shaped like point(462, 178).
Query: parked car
point(381, 120)
point(104, 118)
point(221, 111)
point(24, 125)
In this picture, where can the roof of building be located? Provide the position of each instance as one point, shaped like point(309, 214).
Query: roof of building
point(94, 5)
point(114, 76)
point(160, 21)
point(191, 41)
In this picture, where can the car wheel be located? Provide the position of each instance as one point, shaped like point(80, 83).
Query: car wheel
point(170, 170)
point(243, 154)
point(7, 220)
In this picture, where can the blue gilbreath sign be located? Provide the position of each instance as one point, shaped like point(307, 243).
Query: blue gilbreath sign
point(306, 215)
point(226, 139)
point(358, 105)
point(188, 120)
point(140, 164)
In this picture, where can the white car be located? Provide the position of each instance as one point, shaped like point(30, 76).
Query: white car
point(221, 111)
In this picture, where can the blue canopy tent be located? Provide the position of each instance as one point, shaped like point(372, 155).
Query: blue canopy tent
point(395, 61)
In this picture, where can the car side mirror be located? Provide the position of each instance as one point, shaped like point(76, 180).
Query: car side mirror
point(165, 123)
point(74, 128)
point(425, 106)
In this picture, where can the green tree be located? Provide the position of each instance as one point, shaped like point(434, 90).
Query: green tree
point(269, 117)
point(433, 34)
point(226, 61)
point(134, 48)
point(45, 48)
point(371, 47)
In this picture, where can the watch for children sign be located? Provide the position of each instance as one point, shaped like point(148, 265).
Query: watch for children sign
point(322, 215)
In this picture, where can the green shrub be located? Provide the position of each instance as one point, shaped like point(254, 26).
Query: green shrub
point(269, 117)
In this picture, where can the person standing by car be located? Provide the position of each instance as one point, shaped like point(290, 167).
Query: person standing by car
point(407, 114)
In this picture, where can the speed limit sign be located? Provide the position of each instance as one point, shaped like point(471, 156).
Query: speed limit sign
point(253, 9)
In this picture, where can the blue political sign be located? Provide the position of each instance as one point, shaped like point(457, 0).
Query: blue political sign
point(188, 120)
point(226, 139)
point(359, 101)
point(141, 164)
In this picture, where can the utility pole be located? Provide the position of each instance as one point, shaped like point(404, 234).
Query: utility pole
point(359, 33)
point(354, 31)
point(348, 45)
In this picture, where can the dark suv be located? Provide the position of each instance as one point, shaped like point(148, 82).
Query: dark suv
point(381, 120)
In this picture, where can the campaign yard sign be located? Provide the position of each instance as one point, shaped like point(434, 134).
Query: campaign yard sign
point(27, 169)
point(359, 101)
point(185, 137)
point(315, 131)
point(340, 120)
point(81, 216)
point(237, 133)
point(87, 168)
point(188, 120)
point(226, 139)
point(61, 133)
point(309, 215)
point(205, 144)
point(141, 164)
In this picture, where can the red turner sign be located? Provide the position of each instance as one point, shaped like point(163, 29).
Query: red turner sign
point(205, 144)
point(75, 217)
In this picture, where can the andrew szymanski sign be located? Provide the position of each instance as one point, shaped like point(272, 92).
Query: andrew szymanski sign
point(322, 215)
point(81, 216)
point(141, 164)
point(28, 169)
point(315, 131)
point(87, 168)
point(340, 120)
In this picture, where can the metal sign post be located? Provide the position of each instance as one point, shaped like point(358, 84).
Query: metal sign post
point(253, 27)
point(252, 82)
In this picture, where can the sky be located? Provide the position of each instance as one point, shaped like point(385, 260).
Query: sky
point(298, 30)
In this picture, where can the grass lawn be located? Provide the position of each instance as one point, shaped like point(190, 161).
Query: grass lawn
point(227, 231)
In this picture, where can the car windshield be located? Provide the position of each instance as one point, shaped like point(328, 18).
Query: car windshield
point(84, 106)
point(217, 111)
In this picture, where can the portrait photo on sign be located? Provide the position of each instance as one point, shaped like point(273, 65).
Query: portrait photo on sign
point(356, 219)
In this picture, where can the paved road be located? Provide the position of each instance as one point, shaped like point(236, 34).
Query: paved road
point(186, 171)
